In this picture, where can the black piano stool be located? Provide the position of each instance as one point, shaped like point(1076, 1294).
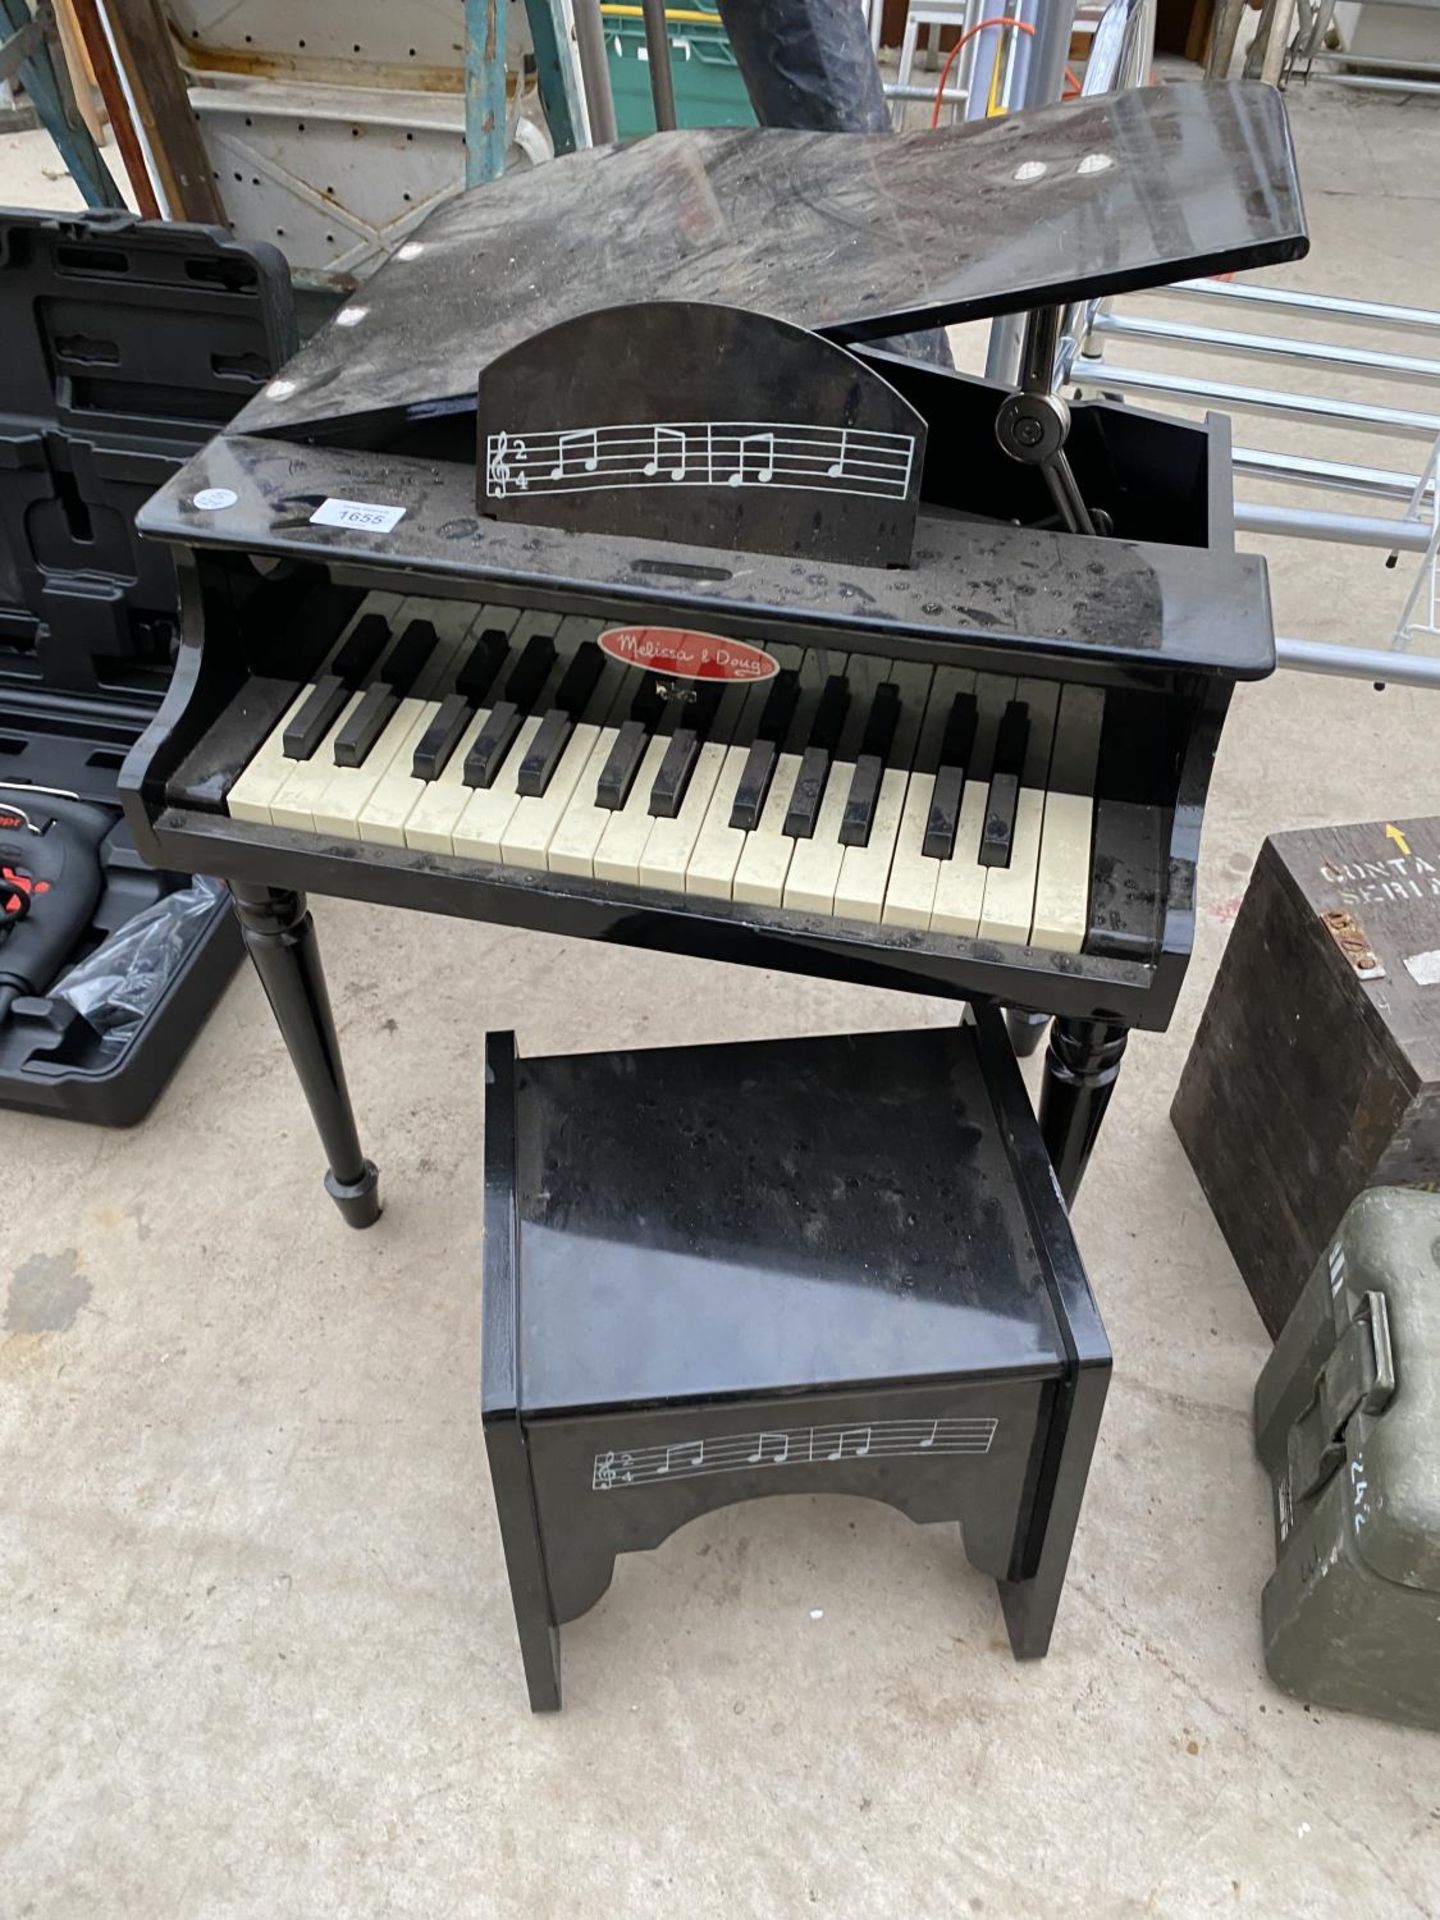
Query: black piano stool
point(835, 1265)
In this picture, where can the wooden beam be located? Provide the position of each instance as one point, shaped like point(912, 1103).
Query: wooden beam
point(157, 86)
point(117, 107)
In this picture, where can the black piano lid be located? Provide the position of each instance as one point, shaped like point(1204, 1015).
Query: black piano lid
point(1130, 605)
point(859, 236)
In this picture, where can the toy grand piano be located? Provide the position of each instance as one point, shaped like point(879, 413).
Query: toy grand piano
point(598, 570)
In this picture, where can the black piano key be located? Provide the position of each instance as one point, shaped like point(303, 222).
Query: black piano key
point(442, 736)
point(543, 754)
point(356, 655)
point(365, 725)
point(955, 751)
point(404, 662)
point(409, 657)
point(530, 672)
point(998, 833)
point(522, 689)
point(492, 743)
point(323, 706)
point(577, 683)
point(875, 744)
point(618, 774)
point(809, 789)
point(672, 781)
point(759, 769)
point(483, 661)
point(362, 647)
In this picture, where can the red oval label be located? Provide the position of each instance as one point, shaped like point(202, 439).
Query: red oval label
point(688, 655)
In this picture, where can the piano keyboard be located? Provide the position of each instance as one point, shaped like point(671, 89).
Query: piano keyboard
point(846, 788)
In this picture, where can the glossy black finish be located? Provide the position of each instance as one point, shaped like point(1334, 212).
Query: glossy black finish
point(707, 424)
point(1082, 1064)
point(279, 936)
point(972, 586)
point(835, 1265)
point(858, 236)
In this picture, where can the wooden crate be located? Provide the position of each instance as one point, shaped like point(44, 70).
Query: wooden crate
point(1315, 1071)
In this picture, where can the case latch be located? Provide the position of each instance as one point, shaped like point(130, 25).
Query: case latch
point(1359, 1377)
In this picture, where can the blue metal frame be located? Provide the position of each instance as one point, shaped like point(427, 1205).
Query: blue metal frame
point(77, 149)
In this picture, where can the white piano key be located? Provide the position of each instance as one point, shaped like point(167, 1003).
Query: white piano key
point(764, 860)
point(252, 791)
point(710, 872)
point(1062, 886)
point(910, 890)
point(671, 843)
point(533, 825)
point(865, 871)
point(397, 794)
point(293, 804)
point(573, 844)
point(1062, 890)
point(347, 795)
point(815, 864)
point(478, 831)
point(622, 844)
point(960, 885)
point(439, 804)
point(1009, 903)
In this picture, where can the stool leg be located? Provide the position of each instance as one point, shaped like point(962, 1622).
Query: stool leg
point(1030, 1604)
point(524, 1561)
point(279, 936)
point(1081, 1068)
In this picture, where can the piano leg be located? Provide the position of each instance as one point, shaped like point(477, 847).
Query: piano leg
point(1081, 1067)
point(280, 938)
point(1026, 1030)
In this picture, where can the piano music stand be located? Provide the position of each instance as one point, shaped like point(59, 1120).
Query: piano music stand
point(834, 1265)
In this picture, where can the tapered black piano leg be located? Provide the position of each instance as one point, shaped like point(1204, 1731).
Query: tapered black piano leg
point(280, 937)
point(1081, 1067)
point(1026, 1030)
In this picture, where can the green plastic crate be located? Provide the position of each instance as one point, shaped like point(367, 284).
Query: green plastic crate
point(709, 91)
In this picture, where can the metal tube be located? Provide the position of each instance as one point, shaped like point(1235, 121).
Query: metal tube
point(594, 71)
point(1265, 346)
point(1326, 306)
point(486, 134)
point(1328, 476)
point(1359, 663)
point(1351, 529)
point(1049, 50)
point(1383, 86)
point(657, 49)
point(1308, 408)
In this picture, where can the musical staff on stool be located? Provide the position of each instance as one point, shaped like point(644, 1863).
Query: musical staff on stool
point(702, 453)
point(793, 1446)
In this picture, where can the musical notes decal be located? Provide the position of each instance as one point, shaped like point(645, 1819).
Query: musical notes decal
point(704, 453)
point(793, 1446)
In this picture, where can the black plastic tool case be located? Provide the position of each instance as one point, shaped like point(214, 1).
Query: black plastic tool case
point(124, 345)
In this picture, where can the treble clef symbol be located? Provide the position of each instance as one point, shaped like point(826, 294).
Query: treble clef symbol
point(604, 1472)
point(497, 470)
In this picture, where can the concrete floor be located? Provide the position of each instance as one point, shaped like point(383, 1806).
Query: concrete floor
point(256, 1651)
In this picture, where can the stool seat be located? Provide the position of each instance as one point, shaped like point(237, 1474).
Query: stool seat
point(821, 1265)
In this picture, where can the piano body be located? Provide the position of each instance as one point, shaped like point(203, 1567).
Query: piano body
point(714, 622)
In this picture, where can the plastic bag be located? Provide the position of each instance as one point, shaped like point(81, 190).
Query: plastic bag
point(118, 984)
